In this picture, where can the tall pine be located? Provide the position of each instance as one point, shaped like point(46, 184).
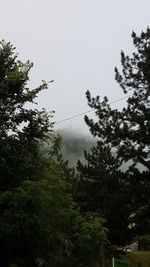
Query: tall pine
point(126, 134)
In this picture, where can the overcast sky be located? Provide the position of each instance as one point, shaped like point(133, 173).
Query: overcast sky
point(75, 42)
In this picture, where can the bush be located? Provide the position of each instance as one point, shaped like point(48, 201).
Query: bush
point(144, 242)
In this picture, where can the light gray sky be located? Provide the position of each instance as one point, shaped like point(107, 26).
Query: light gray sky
point(75, 42)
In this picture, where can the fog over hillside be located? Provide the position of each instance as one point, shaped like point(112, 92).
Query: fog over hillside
point(74, 144)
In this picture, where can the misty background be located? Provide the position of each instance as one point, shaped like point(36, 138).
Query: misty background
point(76, 43)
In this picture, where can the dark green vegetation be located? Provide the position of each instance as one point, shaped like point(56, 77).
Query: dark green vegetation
point(49, 214)
point(122, 198)
point(40, 224)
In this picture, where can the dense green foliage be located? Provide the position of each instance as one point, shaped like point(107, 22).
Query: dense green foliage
point(124, 136)
point(40, 224)
point(144, 242)
point(102, 189)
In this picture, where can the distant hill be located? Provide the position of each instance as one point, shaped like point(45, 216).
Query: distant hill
point(74, 144)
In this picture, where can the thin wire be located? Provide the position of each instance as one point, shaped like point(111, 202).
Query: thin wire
point(88, 111)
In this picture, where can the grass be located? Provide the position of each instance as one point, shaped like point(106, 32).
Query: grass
point(135, 259)
point(138, 258)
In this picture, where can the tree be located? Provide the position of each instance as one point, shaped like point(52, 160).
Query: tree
point(101, 189)
point(22, 131)
point(40, 224)
point(136, 125)
point(127, 132)
point(21, 128)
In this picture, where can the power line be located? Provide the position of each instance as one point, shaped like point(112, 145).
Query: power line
point(75, 116)
point(88, 111)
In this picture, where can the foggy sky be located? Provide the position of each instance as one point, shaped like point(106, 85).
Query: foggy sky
point(75, 42)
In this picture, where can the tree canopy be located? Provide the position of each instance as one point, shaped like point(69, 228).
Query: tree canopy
point(40, 224)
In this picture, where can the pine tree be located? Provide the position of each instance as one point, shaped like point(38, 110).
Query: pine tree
point(101, 189)
point(127, 132)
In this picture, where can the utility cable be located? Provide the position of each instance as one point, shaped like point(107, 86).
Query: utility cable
point(88, 111)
